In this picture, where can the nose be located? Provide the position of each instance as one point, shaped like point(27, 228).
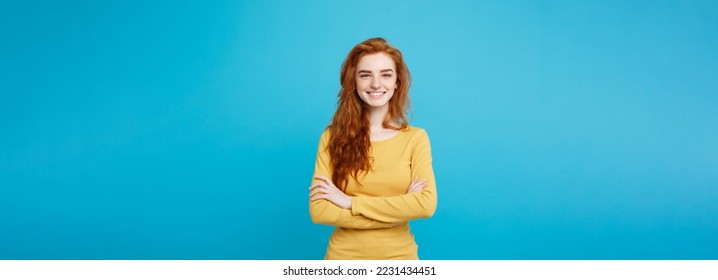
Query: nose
point(375, 83)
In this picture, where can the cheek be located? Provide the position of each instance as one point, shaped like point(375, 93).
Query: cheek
point(361, 84)
point(393, 84)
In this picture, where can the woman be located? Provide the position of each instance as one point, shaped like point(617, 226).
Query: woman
point(373, 171)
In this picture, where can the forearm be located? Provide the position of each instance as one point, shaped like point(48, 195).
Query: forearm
point(325, 212)
point(396, 209)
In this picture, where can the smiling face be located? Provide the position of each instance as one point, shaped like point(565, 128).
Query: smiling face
point(376, 80)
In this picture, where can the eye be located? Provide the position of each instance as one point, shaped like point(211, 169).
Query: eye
point(386, 75)
point(363, 75)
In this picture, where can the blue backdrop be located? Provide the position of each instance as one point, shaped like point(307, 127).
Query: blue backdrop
point(188, 130)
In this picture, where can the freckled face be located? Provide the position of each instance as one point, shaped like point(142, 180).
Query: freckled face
point(376, 79)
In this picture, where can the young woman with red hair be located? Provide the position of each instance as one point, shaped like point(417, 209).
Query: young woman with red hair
point(373, 171)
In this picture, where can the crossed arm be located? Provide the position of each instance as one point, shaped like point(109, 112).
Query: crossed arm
point(329, 205)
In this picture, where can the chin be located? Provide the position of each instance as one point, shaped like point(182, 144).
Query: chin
point(378, 104)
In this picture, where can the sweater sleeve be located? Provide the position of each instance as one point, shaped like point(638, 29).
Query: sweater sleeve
point(325, 212)
point(402, 208)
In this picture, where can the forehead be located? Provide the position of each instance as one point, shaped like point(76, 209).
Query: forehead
point(376, 61)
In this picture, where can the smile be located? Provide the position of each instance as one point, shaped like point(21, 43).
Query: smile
point(376, 94)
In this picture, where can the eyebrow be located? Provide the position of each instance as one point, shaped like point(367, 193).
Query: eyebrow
point(383, 70)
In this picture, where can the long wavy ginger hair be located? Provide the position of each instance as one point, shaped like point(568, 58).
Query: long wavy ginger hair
point(349, 141)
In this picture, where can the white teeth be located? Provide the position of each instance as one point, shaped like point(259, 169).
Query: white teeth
point(376, 93)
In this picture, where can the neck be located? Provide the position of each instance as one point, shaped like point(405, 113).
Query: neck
point(376, 117)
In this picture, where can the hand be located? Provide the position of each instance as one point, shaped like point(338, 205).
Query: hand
point(325, 189)
point(416, 185)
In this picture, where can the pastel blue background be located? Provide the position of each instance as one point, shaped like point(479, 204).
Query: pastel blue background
point(188, 130)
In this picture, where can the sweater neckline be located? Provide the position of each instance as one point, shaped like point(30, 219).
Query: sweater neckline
point(387, 139)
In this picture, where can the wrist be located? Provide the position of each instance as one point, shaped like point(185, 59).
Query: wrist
point(349, 202)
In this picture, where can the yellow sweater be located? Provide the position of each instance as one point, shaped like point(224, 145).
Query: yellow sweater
point(376, 227)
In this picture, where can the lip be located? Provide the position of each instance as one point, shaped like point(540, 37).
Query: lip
point(376, 94)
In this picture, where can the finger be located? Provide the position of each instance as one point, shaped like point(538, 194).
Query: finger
point(317, 184)
point(327, 182)
point(419, 183)
point(318, 197)
point(325, 179)
point(414, 181)
point(316, 191)
point(418, 187)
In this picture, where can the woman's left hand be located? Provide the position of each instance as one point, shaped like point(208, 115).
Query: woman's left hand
point(325, 189)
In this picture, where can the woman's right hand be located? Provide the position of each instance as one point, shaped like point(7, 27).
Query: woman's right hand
point(416, 185)
point(323, 188)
